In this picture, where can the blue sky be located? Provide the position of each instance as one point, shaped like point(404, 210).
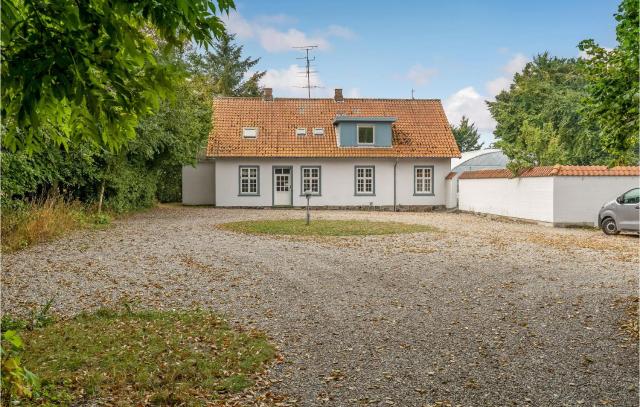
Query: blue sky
point(462, 52)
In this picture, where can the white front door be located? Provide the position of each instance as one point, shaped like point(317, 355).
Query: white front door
point(282, 193)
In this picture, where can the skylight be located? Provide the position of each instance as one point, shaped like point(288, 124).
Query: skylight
point(249, 132)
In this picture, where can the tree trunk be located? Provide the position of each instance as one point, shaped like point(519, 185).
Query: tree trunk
point(101, 196)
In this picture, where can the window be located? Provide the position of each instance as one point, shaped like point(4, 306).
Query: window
point(631, 197)
point(310, 180)
point(301, 131)
point(365, 181)
point(249, 132)
point(318, 131)
point(423, 180)
point(249, 179)
point(365, 134)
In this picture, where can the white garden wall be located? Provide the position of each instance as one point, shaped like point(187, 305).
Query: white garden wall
point(524, 198)
point(578, 199)
point(337, 182)
point(558, 200)
point(451, 193)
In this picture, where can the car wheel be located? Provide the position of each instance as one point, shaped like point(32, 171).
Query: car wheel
point(609, 227)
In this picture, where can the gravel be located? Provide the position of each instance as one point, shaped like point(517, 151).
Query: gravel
point(485, 312)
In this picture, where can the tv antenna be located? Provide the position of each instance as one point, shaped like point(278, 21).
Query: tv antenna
point(308, 70)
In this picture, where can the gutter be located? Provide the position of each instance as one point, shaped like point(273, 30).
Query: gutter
point(395, 166)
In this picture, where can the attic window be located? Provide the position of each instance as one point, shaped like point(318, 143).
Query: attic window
point(301, 131)
point(249, 132)
point(318, 131)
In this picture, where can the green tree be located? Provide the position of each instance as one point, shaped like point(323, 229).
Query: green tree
point(539, 120)
point(225, 70)
point(76, 70)
point(147, 168)
point(613, 87)
point(466, 135)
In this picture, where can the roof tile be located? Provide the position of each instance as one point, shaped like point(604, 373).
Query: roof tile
point(556, 170)
point(421, 129)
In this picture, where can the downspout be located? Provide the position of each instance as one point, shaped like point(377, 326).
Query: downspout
point(395, 166)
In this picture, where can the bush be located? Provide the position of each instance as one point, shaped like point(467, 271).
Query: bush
point(170, 184)
point(26, 223)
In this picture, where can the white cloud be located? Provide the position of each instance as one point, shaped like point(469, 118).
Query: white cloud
point(498, 85)
point(274, 40)
point(514, 65)
point(280, 40)
point(236, 24)
point(468, 102)
point(289, 82)
point(471, 104)
point(420, 75)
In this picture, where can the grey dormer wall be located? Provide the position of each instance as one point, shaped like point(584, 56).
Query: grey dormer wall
point(349, 134)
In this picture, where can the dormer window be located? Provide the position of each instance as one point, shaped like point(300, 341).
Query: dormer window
point(365, 134)
point(318, 131)
point(250, 132)
point(301, 131)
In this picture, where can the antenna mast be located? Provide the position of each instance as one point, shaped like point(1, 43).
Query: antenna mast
point(307, 70)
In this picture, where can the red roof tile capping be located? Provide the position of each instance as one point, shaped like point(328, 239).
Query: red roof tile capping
point(556, 170)
point(450, 175)
point(421, 128)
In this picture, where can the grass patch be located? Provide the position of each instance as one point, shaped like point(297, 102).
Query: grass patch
point(149, 357)
point(40, 221)
point(321, 227)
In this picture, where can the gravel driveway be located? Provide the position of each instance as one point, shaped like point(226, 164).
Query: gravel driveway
point(484, 312)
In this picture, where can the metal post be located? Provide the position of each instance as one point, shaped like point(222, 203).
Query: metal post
point(308, 217)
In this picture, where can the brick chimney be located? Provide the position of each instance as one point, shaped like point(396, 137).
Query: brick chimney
point(338, 96)
point(267, 94)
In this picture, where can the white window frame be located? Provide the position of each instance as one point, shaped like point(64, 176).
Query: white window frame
point(301, 131)
point(246, 132)
point(364, 178)
point(373, 131)
point(318, 131)
point(310, 177)
point(420, 188)
point(249, 177)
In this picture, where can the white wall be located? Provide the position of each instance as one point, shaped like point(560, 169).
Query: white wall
point(578, 199)
point(451, 193)
point(337, 182)
point(198, 184)
point(525, 198)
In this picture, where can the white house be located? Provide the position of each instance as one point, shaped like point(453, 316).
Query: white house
point(558, 195)
point(384, 153)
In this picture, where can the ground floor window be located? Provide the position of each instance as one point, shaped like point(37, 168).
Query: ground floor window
point(365, 180)
point(423, 180)
point(249, 178)
point(310, 180)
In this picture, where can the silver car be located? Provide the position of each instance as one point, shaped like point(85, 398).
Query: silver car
point(623, 213)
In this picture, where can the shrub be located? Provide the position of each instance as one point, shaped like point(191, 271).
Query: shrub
point(36, 221)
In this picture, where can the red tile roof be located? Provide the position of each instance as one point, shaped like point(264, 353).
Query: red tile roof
point(450, 175)
point(421, 128)
point(556, 170)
